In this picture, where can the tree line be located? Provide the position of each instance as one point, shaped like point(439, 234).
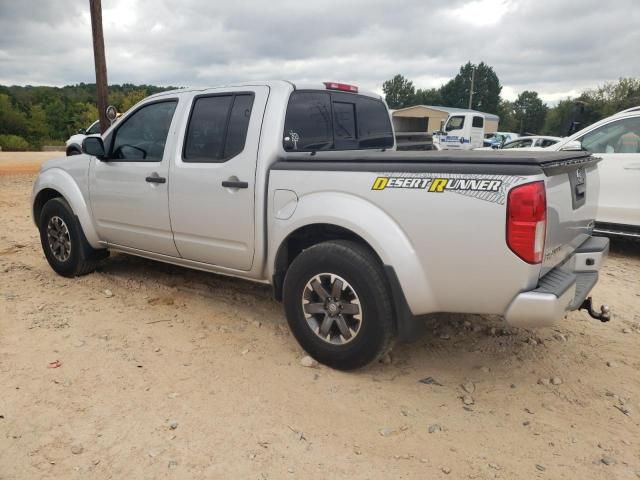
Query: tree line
point(528, 113)
point(34, 116)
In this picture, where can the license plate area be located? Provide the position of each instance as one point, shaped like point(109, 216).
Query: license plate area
point(578, 182)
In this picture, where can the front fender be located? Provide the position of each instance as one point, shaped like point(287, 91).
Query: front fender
point(369, 222)
point(63, 183)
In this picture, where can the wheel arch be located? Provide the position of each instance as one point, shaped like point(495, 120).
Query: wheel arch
point(56, 183)
point(41, 198)
point(311, 234)
point(363, 221)
point(305, 237)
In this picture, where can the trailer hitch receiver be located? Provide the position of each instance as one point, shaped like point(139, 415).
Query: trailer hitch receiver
point(603, 316)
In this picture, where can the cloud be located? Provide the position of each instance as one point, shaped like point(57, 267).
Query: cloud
point(555, 47)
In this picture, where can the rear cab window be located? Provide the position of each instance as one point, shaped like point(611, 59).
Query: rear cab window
point(327, 120)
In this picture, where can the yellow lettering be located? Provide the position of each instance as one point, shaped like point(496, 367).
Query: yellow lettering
point(380, 183)
point(438, 184)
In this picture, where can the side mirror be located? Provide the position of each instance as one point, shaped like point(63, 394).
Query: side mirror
point(93, 146)
point(572, 146)
point(112, 113)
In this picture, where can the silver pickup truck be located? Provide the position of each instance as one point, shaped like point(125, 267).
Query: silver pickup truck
point(300, 186)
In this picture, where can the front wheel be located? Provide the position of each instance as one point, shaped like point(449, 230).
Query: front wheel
point(63, 241)
point(338, 304)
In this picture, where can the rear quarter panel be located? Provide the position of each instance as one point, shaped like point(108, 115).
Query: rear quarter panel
point(448, 248)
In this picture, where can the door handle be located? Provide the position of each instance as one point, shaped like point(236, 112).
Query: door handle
point(234, 184)
point(156, 179)
point(633, 166)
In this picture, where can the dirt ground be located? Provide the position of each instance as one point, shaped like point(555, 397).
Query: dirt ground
point(170, 373)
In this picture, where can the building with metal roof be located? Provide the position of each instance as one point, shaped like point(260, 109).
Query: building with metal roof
point(431, 118)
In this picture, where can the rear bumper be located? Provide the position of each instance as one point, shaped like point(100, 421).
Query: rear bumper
point(562, 289)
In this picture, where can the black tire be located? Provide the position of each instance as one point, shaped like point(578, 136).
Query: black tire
point(362, 272)
point(81, 258)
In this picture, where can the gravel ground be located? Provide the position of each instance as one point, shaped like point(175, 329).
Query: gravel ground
point(161, 372)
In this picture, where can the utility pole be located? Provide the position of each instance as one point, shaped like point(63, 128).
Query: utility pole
point(100, 63)
point(473, 77)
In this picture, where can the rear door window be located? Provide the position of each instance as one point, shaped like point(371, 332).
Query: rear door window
point(238, 125)
point(217, 128)
point(478, 122)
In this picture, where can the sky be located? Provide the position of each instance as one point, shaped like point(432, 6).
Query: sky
point(555, 47)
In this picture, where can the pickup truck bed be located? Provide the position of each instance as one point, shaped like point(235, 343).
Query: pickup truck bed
point(443, 231)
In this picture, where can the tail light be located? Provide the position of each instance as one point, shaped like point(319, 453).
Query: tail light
point(341, 86)
point(527, 221)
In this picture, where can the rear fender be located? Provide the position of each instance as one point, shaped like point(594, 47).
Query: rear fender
point(370, 223)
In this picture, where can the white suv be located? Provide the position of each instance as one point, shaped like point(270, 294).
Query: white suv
point(74, 144)
point(616, 139)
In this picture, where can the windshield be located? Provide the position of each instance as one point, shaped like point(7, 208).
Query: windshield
point(94, 128)
point(519, 144)
point(455, 123)
point(622, 136)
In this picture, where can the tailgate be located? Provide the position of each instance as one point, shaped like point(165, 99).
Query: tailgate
point(572, 194)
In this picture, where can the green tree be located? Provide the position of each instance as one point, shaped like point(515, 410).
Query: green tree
point(530, 112)
point(12, 121)
point(130, 99)
point(399, 92)
point(43, 114)
point(428, 96)
point(560, 118)
point(507, 114)
point(37, 127)
point(610, 98)
point(88, 114)
point(486, 88)
point(13, 143)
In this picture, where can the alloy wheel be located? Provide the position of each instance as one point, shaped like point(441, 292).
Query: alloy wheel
point(332, 308)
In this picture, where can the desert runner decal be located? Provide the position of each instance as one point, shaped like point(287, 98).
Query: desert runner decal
point(484, 187)
point(437, 184)
point(381, 183)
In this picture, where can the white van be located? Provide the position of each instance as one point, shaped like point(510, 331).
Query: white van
point(462, 131)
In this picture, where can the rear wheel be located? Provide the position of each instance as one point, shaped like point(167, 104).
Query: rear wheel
point(338, 304)
point(63, 241)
